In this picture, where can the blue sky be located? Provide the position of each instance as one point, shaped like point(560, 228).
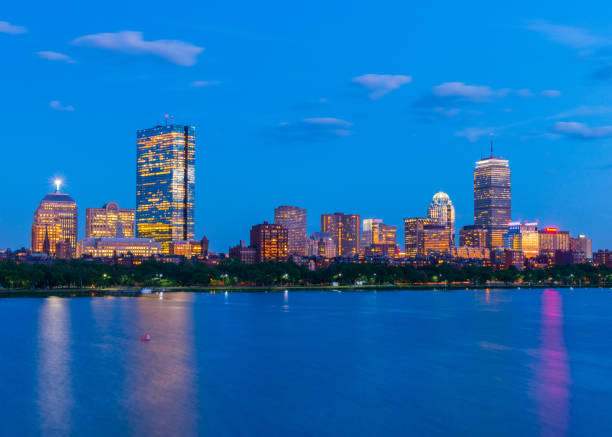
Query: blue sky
point(332, 106)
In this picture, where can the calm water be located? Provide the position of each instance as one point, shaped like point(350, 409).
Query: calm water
point(423, 363)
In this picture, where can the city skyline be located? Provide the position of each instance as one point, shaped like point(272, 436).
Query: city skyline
point(315, 112)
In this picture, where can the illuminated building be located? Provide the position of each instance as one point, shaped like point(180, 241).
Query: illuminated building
point(293, 219)
point(165, 182)
point(382, 250)
point(114, 247)
point(473, 236)
point(492, 198)
point(603, 257)
point(109, 222)
point(376, 232)
point(441, 209)
point(552, 240)
point(344, 230)
point(270, 242)
point(508, 257)
point(424, 237)
point(582, 244)
point(55, 221)
point(523, 237)
point(245, 254)
point(321, 244)
point(189, 249)
point(470, 253)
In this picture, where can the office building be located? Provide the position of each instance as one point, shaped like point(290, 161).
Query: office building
point(582, 244)
point(270, 242)
point(55, 222)
point(603, 258)
point(321, 244)
point(492, 198)
point(424, 237)
point(553, 240)
point(523, 237)
point(374, 231)
point(442, 210)
point(189, 248)
point(293, 219)
point(110, 221)
point(165, 183)
point(243, 253)
point(116, 247)
point(344, 230)
point(473, 236)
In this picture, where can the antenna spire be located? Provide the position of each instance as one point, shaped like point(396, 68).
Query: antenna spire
point(491, 135)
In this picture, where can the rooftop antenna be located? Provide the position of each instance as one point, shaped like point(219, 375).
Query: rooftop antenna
point(58, 183)
point(166, 116)
point(491, 135)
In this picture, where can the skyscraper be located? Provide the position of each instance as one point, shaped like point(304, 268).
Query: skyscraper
point(424, 236)
point(492, 198)
point(165, 183)
point(374, 231)
point(441, 209)
point(344, 230)
point(270, 242)
point(55, 223)
point(109, 222)
point(293, 219)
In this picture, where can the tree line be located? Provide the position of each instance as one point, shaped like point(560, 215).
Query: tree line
point(80, 274)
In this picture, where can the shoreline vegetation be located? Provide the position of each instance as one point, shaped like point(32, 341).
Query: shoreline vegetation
point(86, 278)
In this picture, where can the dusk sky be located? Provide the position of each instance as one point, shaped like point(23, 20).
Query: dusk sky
point(357, 107)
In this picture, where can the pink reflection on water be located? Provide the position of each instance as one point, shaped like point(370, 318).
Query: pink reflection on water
point(552, 373)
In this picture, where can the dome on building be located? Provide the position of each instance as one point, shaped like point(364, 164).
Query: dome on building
point(441, 197)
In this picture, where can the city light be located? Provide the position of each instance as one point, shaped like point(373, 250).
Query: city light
point(58, 183)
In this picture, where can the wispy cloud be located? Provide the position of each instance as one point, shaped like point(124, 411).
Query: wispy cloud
point(203, 83)
point(473, 134)
point(581, 131)
point(551, 94)
point(381, 84)
point(55, 56)
point(57, 105)
point(310, 130)
point(6, 27)
point(575, 37)
point(471, 93)
point(583, 111)
point(132, 42)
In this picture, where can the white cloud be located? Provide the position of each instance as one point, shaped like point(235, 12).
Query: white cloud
point(6, 27)
point(552, 94)
point(55, 56)
point(132, 42)
point(581, 131)
point(381, 84)
point(310, 130)
point(570, 36)
point(525, 93)
point(328, 121)
point(473, 93)
point(202, 83)
point(583, 111)
point(473, 134)
point(56, 104)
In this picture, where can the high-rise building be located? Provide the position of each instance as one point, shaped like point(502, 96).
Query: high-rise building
point(376, 232)
point(344, 230)
point(523, 237)
point(321, 244)
point(473, 236)
point(270, 242)
point(441, 209)
point(553, 240)
point(582, 244)
point(492, 198)
point(165, 183)
point(109, 222)
point(293, 219)
point(424, 237)
point(55, 222)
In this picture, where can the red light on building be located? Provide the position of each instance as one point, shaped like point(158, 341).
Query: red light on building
point(551, 230)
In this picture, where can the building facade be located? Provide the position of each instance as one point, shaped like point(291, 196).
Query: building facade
point(55, 222)
point(189, 248)
point(553, 240)
point(492, 198)
point(523, 237)
point(374, 231)
point(321, 244)
point(270, 242)
point(344, 230)
point(441, 209)
point(110, 221)
point(424, 236)
point(244, 253)
point(114, 247)
point(473, 236)
point(603, 257)
point(293, 219)
point(582, 244)
point(165, 184)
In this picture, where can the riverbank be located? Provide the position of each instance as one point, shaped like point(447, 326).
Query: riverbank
point(135, 292)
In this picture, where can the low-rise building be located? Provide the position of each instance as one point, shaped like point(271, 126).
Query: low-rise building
point(113, 247)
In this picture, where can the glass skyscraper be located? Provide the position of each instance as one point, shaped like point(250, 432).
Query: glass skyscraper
point(492, 198)
point(165, 183)
point(441, 209)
